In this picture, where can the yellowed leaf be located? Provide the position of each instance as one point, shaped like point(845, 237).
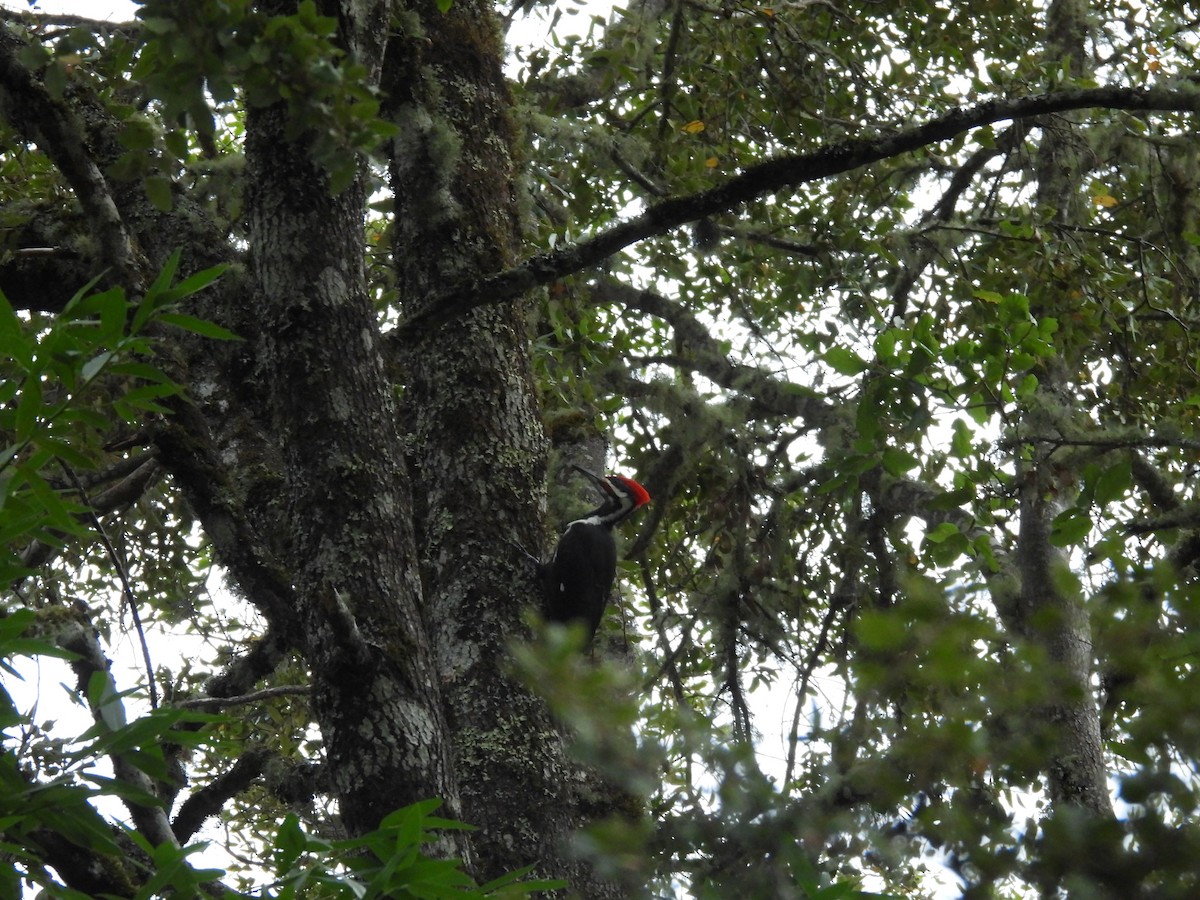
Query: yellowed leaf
point(693, 127)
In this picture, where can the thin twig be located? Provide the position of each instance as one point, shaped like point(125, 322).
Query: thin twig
point(286, 690)
point(126, 588)
point(1115, 443)
point(810, 666)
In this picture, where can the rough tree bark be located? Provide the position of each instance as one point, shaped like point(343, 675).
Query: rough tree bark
point(476, 443)
point(346, 504)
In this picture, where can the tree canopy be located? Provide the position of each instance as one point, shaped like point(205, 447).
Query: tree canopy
point(308, 308)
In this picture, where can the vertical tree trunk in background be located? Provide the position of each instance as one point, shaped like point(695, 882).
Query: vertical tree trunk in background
point(1050, 613)
point(476, 445)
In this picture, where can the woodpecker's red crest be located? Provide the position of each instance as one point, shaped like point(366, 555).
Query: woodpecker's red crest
point(621, 497)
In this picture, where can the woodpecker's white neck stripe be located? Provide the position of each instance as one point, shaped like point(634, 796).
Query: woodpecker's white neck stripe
point(589, 520)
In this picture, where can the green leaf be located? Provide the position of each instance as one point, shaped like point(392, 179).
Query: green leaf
point(54, 77)
point(29, 408)
point(159, 192)
point(342, 172)
point(879, 630)
point(513, 879)
point(290, 842)
point(58, 514)
point(1113, 482)
point(885, 344)
point(898, 461)
point(14, 643)
point(198, 326)
point(845, 361)
point(144, 371)
point(176, 141)
point(95, 366)
point(144, 396)
point(112, 787)
point(200, 280)
point(113, 310)
point(79, 297)
point(157, 294)
point(69, 453)
point(942, 532)
point(961, 442)
point(1070, 527)
point(13, 342)
point(954, 499)
point(136, 134)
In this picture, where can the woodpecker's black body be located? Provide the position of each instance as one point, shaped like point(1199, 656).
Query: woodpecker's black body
point(580, 576)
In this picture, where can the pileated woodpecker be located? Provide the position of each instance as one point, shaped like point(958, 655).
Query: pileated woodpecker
point(580, 576)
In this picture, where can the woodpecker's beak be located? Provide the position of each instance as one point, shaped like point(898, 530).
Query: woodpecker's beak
point(601, 483)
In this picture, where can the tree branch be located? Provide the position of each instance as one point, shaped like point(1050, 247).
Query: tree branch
point(25, 102)
point(285, 690)
point(107, 708)
point(1153, 482)
point(634, 28)
point(187, 448)
point(133, 485)
point(943, 210)
point(92, 872)
point(209, 800)
point(66, 21)
point(704, 356)
point(243, 672)
point(122, 572)
point(774, 176)
point(1102, 444)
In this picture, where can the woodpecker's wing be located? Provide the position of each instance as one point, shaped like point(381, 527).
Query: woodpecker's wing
point(580, 577)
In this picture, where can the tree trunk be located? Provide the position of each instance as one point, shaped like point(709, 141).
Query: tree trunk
point(476, 442)
point(1050, 613)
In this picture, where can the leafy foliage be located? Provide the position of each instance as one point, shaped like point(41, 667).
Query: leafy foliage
point(227, 53)
point(388, 862)
point(59, 407)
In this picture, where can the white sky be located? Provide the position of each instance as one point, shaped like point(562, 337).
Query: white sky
point(120, 10)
